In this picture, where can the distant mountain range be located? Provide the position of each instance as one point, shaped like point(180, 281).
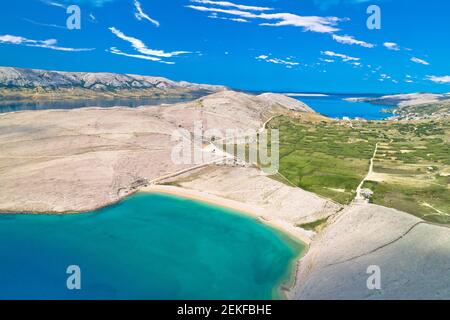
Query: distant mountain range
point(42, 82)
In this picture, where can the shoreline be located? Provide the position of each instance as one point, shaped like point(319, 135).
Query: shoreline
point(285, 286)
point(243, 208)
point(246, 209)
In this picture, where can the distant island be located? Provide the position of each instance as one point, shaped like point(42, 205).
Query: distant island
point(31, 84)
point(414, 106)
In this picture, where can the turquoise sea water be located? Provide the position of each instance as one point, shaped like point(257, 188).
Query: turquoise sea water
point(19, 105)
point(149, 246)
point(333, 105)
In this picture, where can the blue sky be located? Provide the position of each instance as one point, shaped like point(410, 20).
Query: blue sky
point(277, 45)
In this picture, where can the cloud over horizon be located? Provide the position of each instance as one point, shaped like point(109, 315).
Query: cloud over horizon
point(116, 51)
point(344, 57)
point(420, 61)
point(439, 79)
point(139, 46)
point(140, 14)
point(346, 39)
point(325, 4)
point(216, 16)
point(308, 23)
point(95, 3)
point(392, 46)
point(47, 44)
point(287, 62)
point(232, 5)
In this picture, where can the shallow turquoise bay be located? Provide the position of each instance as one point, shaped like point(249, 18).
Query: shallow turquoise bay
point(149, 246)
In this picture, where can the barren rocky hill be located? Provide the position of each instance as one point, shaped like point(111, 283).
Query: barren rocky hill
point(412, 257)
point(32, 84)
point(80, 159)
point(32, 78)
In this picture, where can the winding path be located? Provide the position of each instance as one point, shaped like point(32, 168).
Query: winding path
point(359, 196)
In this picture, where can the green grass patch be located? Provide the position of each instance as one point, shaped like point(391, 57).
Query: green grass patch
point(314, 226)
point(331, 159)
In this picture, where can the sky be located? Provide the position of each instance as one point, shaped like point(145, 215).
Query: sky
point(264, 45)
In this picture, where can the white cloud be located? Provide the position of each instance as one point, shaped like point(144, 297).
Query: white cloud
point(392, 46)
point(308, 23)
point(325, 4)
point(114, 50)
point(232, 5)
point(216, 16)
point(287, 63)
point(13, 39)
point(437, 79)
point(95, 3)
point(420, 61)
point(140, 46)
point(244, 14)
point(386, 77)
point(351, 40)
point(238, 20)
point(45, 24)
point(47, 44)
point(144, 52)
point(140, 14)
point(344, 57)
point(53, 3)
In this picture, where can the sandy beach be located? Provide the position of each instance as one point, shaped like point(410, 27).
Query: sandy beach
point(286, 288)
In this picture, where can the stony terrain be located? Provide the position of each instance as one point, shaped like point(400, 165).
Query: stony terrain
point(248, 185)
point(77, 160)
point(413, 257)
point(81, 159)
